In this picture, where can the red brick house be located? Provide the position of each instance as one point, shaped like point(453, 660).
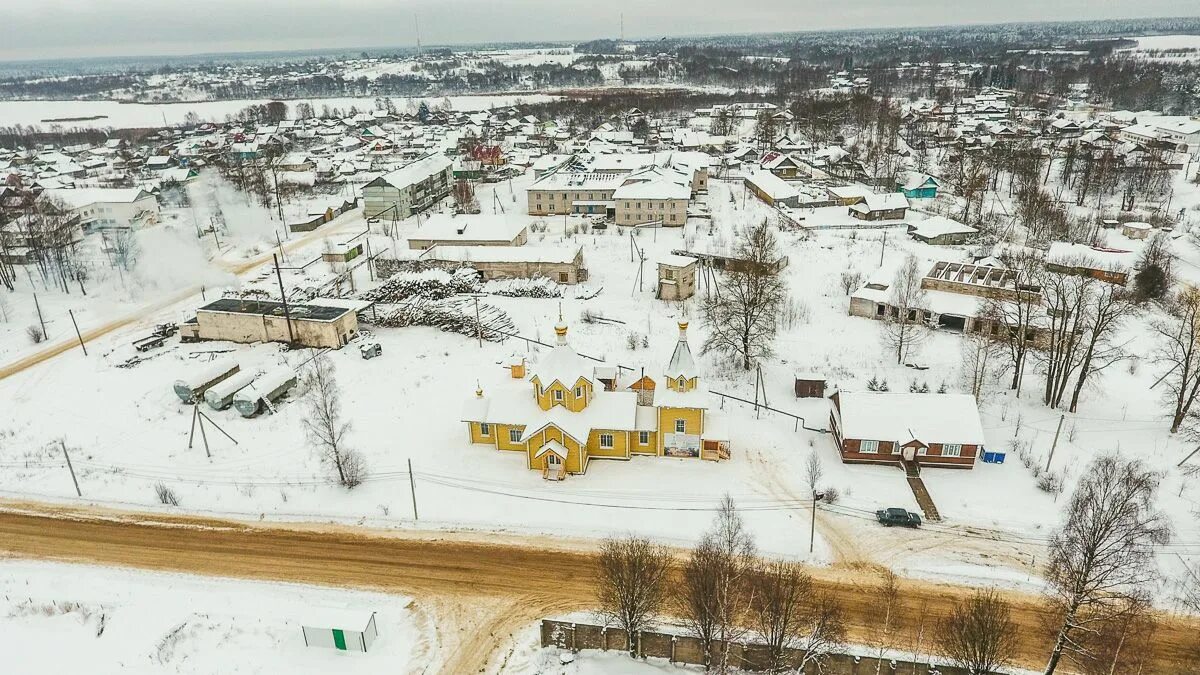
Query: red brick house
point(924, 429)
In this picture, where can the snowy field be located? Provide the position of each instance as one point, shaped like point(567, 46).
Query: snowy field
point(1171, 48)
point(151, 115)
point(60, 618)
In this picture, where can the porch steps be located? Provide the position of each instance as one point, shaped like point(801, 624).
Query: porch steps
point(922, 495)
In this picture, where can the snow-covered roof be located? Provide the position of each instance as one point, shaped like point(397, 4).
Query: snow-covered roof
point(417, 171)
point(901, 417)
point(1093, 257)
point(682, 364)
point(774, 186)
point(80, 197)
point(887, 201)
point(936, 226)
point(489, 254)
point(478, 227)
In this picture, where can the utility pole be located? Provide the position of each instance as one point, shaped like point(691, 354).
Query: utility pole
point(39, 313)
point(282, 296)
point(412, 486)
point(812, 528)
point(370, 272)
point(77, 333)
point(1055, 443)
point(70, 467)
point(882, 246)
point(478, 324)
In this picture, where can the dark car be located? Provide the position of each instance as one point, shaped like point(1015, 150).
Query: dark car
point(901, 517)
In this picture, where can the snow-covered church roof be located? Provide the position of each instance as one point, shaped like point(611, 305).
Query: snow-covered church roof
point(563, 363)
point(682, 364)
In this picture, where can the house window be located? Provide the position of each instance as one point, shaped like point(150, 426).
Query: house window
point(680, 426)
point(643, 438)
point(514, 435)
point(868, 447)
point(563, 277)
point(895, 449)
point(951, 450)
point(606, 440)
point(922, 451)
point(558, 394)
point(682, 383)
point(485, 429)
point(578, 392)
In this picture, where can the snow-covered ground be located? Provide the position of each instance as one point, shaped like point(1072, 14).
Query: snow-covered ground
point(1165, 48)
point(60, 618)
point(128, 431)
point(145, 115)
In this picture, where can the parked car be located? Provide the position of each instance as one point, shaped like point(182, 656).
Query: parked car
point(370, 350)
point(901, 517)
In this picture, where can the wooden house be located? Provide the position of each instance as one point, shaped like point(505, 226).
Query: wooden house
point(889, 206)
point(571, 411)
point(919, 187)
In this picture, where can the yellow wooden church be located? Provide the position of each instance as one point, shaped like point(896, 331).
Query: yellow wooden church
point(568, 411)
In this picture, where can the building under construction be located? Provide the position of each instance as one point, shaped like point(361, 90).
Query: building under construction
point(321, 323)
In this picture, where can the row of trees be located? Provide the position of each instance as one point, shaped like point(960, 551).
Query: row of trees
point(724, 593)
point(1099, 573)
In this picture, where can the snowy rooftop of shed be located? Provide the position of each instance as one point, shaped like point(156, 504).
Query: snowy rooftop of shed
point(898, 416)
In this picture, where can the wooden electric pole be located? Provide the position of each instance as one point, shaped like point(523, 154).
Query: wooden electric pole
point(70, 467)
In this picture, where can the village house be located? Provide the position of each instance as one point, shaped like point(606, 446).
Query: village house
point(1109, 265)
point(570, 411)
point(442, 229)
point(784, 165)
point(848, 195)
point(919, 186)
point(772, 189)
point(410, 189)
point(888, 206)
point(940, 430)
point(561, 264)
point(942, 231)
point(108, 208)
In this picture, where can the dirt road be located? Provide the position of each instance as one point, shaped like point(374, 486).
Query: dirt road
point(480, 589)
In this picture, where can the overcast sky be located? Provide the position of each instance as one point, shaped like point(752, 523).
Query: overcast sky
point(35, 29)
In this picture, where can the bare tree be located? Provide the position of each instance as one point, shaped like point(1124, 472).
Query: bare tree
point(716, 589)
point(632, 584)
point(1179, 348)
point(887, 601)
point(980, 354)
point(1011, 320)
point(464, 197)
point(125, 249)
point(1083, 313)
point(1104, 553)
point(978, 635)
point(850, 280)
point(788, 614)
point(742, 316)
point(904, 327)
point(1120, 643)
point(324, 425)
point(813, 471)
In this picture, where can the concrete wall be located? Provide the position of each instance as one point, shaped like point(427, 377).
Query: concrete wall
point(689, 650)
point(247, 328)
